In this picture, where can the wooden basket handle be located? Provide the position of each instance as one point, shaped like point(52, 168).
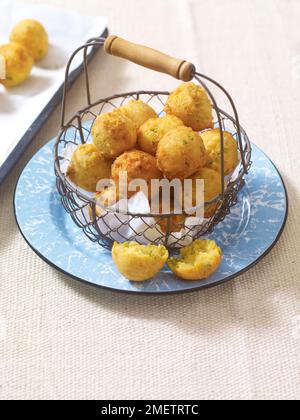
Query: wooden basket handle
point(152, 59)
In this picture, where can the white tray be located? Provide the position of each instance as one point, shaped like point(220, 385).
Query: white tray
point(24, 109)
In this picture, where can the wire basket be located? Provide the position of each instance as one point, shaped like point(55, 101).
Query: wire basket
point(142, 227)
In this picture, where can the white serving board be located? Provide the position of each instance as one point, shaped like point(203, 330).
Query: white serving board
point(24, 109)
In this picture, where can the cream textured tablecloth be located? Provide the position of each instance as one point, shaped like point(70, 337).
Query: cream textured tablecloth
point(63, 340)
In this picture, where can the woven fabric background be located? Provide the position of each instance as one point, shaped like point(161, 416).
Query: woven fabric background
point(63, 340)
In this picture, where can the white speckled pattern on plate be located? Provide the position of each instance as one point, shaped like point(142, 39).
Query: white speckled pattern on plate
point(245, 236)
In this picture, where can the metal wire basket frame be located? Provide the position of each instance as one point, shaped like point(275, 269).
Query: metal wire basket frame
point(82, 207)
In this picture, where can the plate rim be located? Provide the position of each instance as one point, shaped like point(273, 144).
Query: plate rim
point(160, 292)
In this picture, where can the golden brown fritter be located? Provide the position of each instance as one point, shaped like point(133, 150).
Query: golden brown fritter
point(150, 133)
point(212, 189)
point(190, 103)
point(138, 111)
point(180, 153)
point(197, 261)
point(88, 167)
point(212, 143)
point(108, 197)
point(18, 64)
point(176, 223)
point(138, 165)
point(139, 262)
point(114, 133)
point(32, 35)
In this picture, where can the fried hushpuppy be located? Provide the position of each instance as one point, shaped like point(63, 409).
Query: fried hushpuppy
point(139, 262)
point(138, 111)
point(2, 67)
point(150, 133)
point(32, 35)
point(180, 153)
point(107, 197)
point(176, 223)
point(197, 261)
point(167, 205)
point(18, 64)
point(212, 189)
point(114, 133)
point(190, 103)
point(88, 167)
point(212, 143)
point(138, 165)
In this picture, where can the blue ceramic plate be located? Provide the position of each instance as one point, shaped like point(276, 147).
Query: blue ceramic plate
point(246, 236)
